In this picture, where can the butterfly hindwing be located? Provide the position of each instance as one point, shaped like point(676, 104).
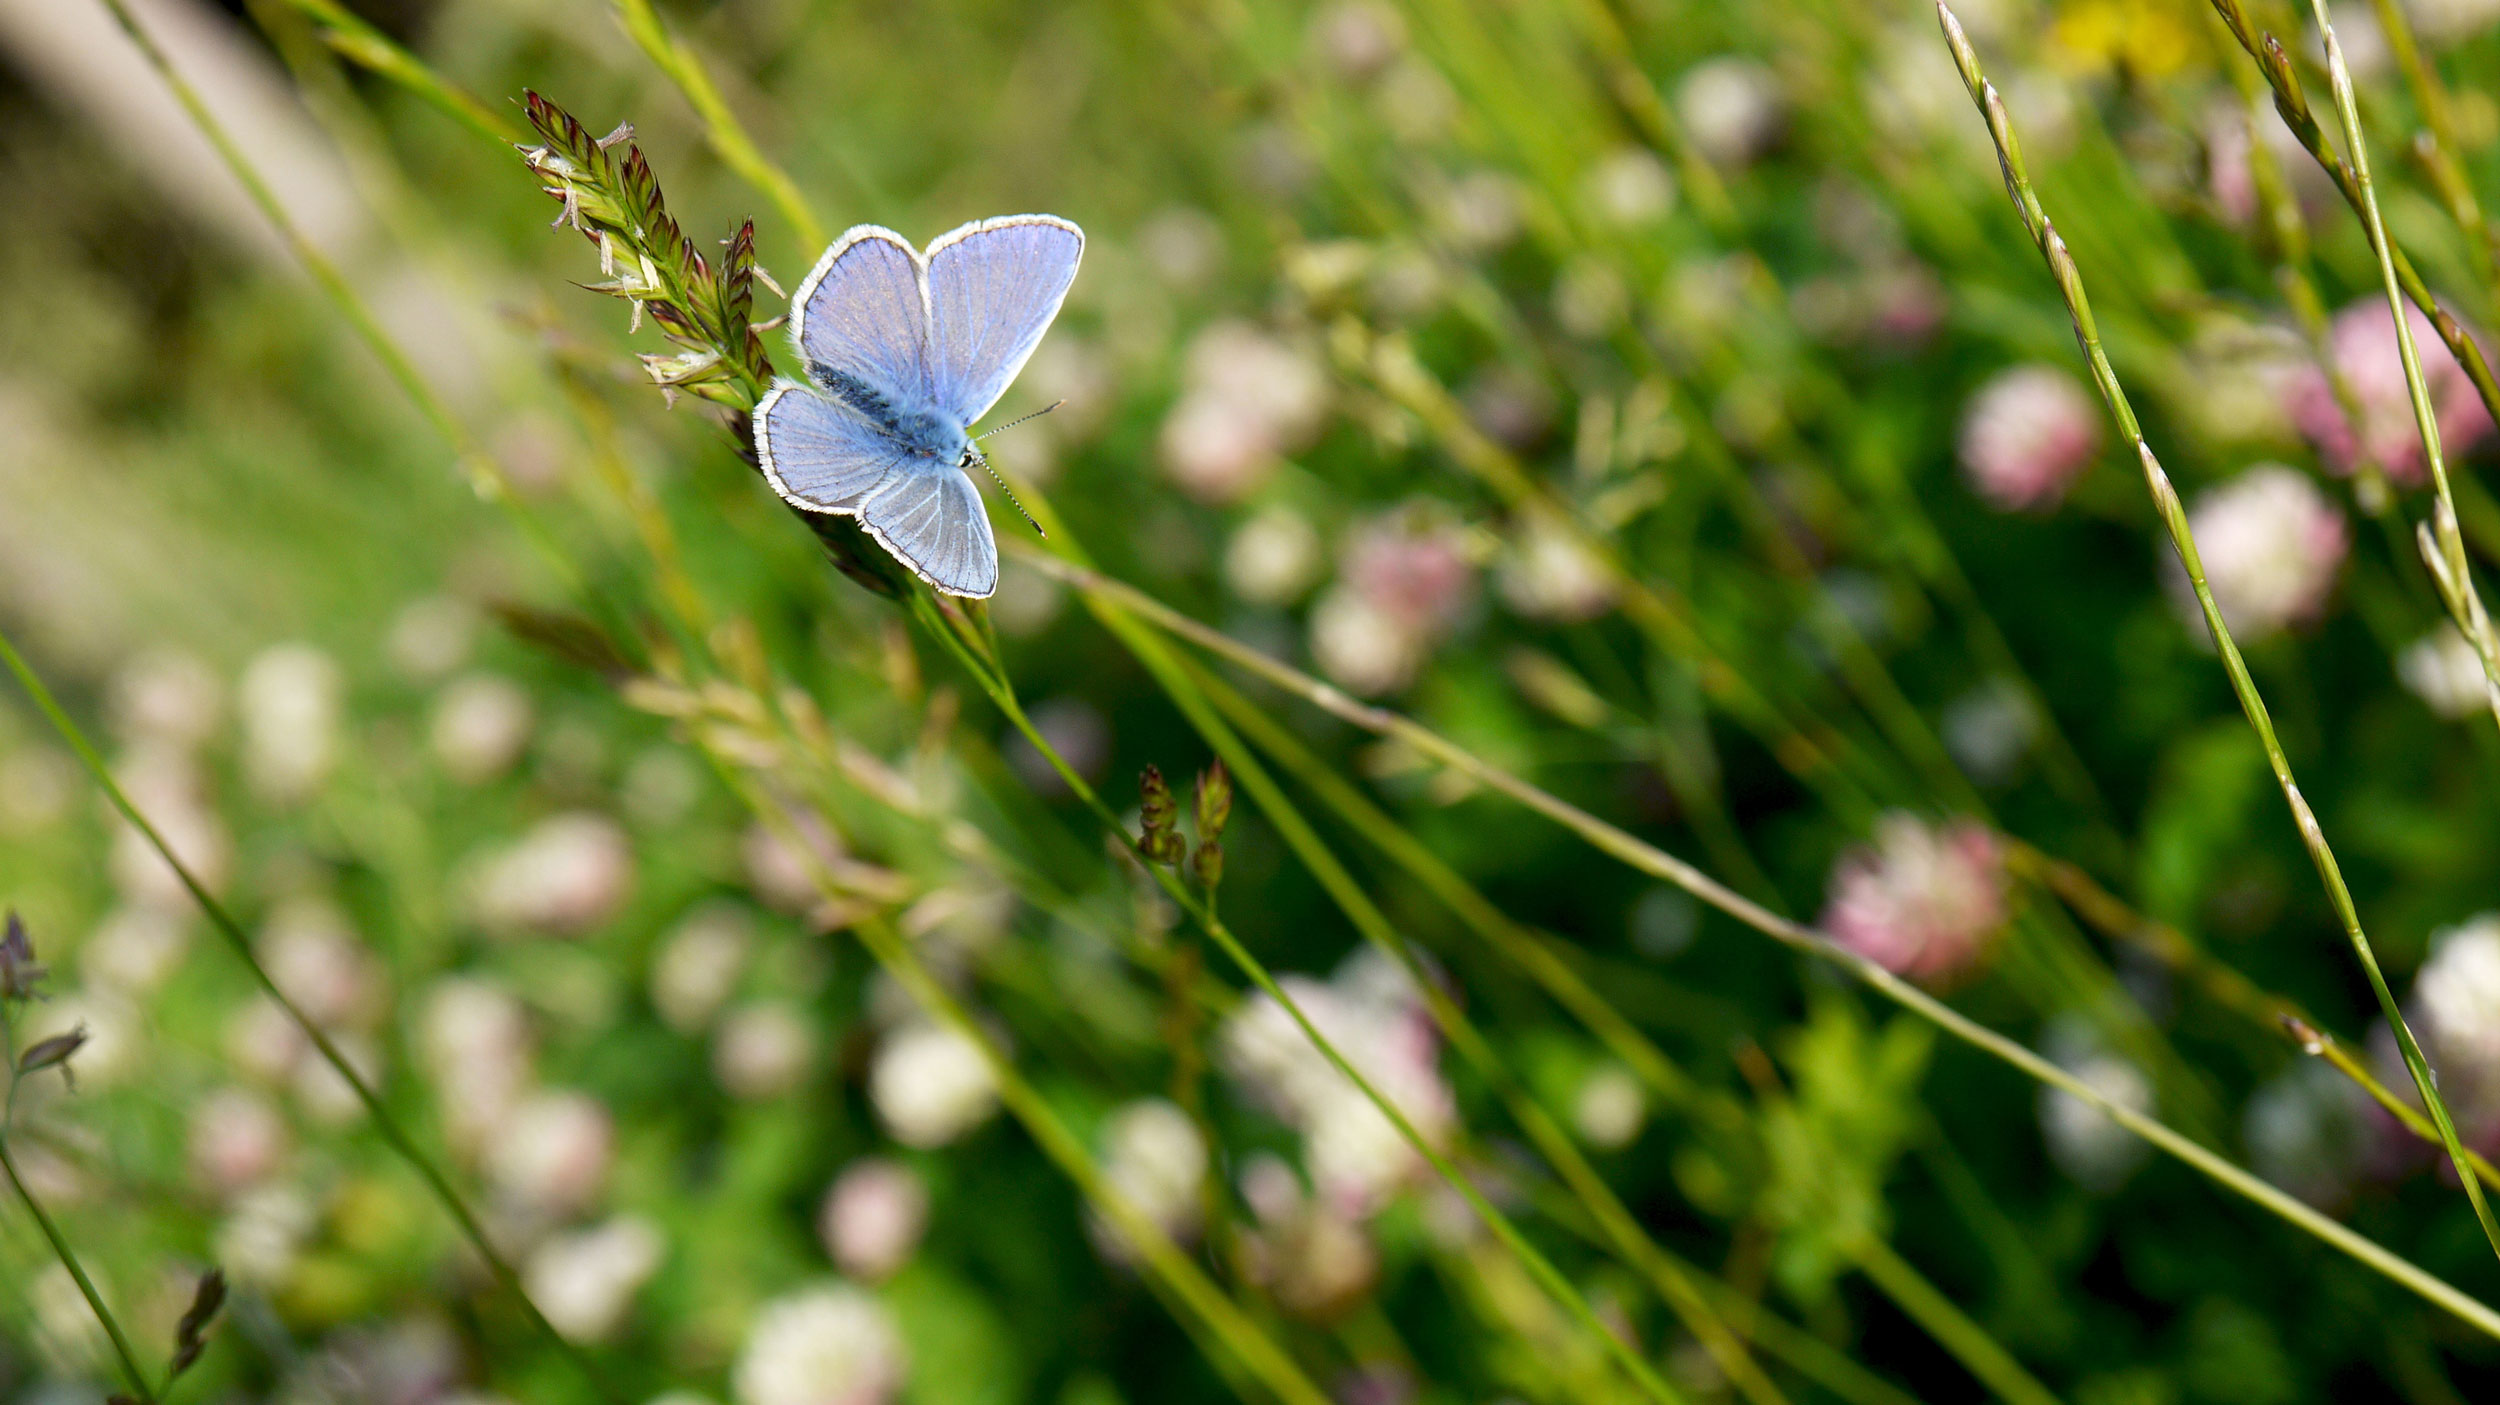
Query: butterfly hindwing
point(819, 454)
point(862, 316)
point(994, 287)
point(930, 516)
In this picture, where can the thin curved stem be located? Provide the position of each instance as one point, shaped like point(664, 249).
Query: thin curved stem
point(397, 1137)
point(2174, 517)
point(1649, 859)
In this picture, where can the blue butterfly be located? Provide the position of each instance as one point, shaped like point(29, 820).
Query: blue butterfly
point(904, 351)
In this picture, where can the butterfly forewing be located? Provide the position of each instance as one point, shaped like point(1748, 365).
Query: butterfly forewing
point(994, 287)
point(818, 453)
point(860, 319)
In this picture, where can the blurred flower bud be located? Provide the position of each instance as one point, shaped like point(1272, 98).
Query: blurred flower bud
point(2028, 434)
point(165, 695)
point(700, 964)
point(1550, 573)
point(134, 950)
point(2094, 1152)
point(1184, 245)
point(1416, 103)
point(1732, 109)
point(2309, 1131)
point(568, 875)
point(481, 726)
point(431, 636)
point(873, 1217)
point(2271, 545)
point(167, 786)
point(324, 1093)
point(1317, 1264)
point(1923, 901)
point(1155, 1161)
point(1157, 815)
point(316, 959)
point(1629, 188)
point(1373, 1016)
point(261, 1238)
point(552, 1152)
point(1248, 400)
point(20, 973)
point(238, 1140)
point(1273, 558)
point(1357, 38)
point(2456, 1017)
point(585, 1281)
point(477, 1048)
point(1479, 212)
point(289, 700)
point(52, 1052)
point(763, 1050)
point(930, 1085)
point(2362, 345)
point(1610, 1107)
point(830, 1345)
point(2444, 670)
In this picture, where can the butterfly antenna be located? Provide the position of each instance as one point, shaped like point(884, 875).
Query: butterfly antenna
point(983, 460)
point(1037, 414)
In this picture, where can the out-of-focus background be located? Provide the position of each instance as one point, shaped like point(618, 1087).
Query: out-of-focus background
point(1660, 400)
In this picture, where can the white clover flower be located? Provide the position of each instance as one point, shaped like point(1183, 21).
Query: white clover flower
point(2028, 434)
point(2093, 1150)
point(1610, 1107)
point(873, 1217)
point(290, 701)
point(2456, 1003)
point(2310, 1130)
point(1248, 400)
point(1732, 109)
point(2362, 343)
point(1550, 574)
point(931, 1085)
point(763, 1050)
point(260, 1239)
point(480, 727)
point(476, 1041)
point(552, 1151)
point(1479, 212)
point(165, 695)
point(134, 950)
point(1155, 1161)
point(1273, 558)
point(431, 636)
point(1364, 648)
point(323, 1093)
point(314, 955)
point(830, 1345)
point(1357, 38)
point(700, 965)
point(2445, 672)
point(238, 1139)
point(1924, 901)
point(585, 1281)
point(1629, 187)
point(569, 874)
point(167, 785)
point(2271, 544)
point(1372, 1015)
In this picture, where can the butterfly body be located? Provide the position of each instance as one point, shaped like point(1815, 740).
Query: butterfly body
point(904, 351)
